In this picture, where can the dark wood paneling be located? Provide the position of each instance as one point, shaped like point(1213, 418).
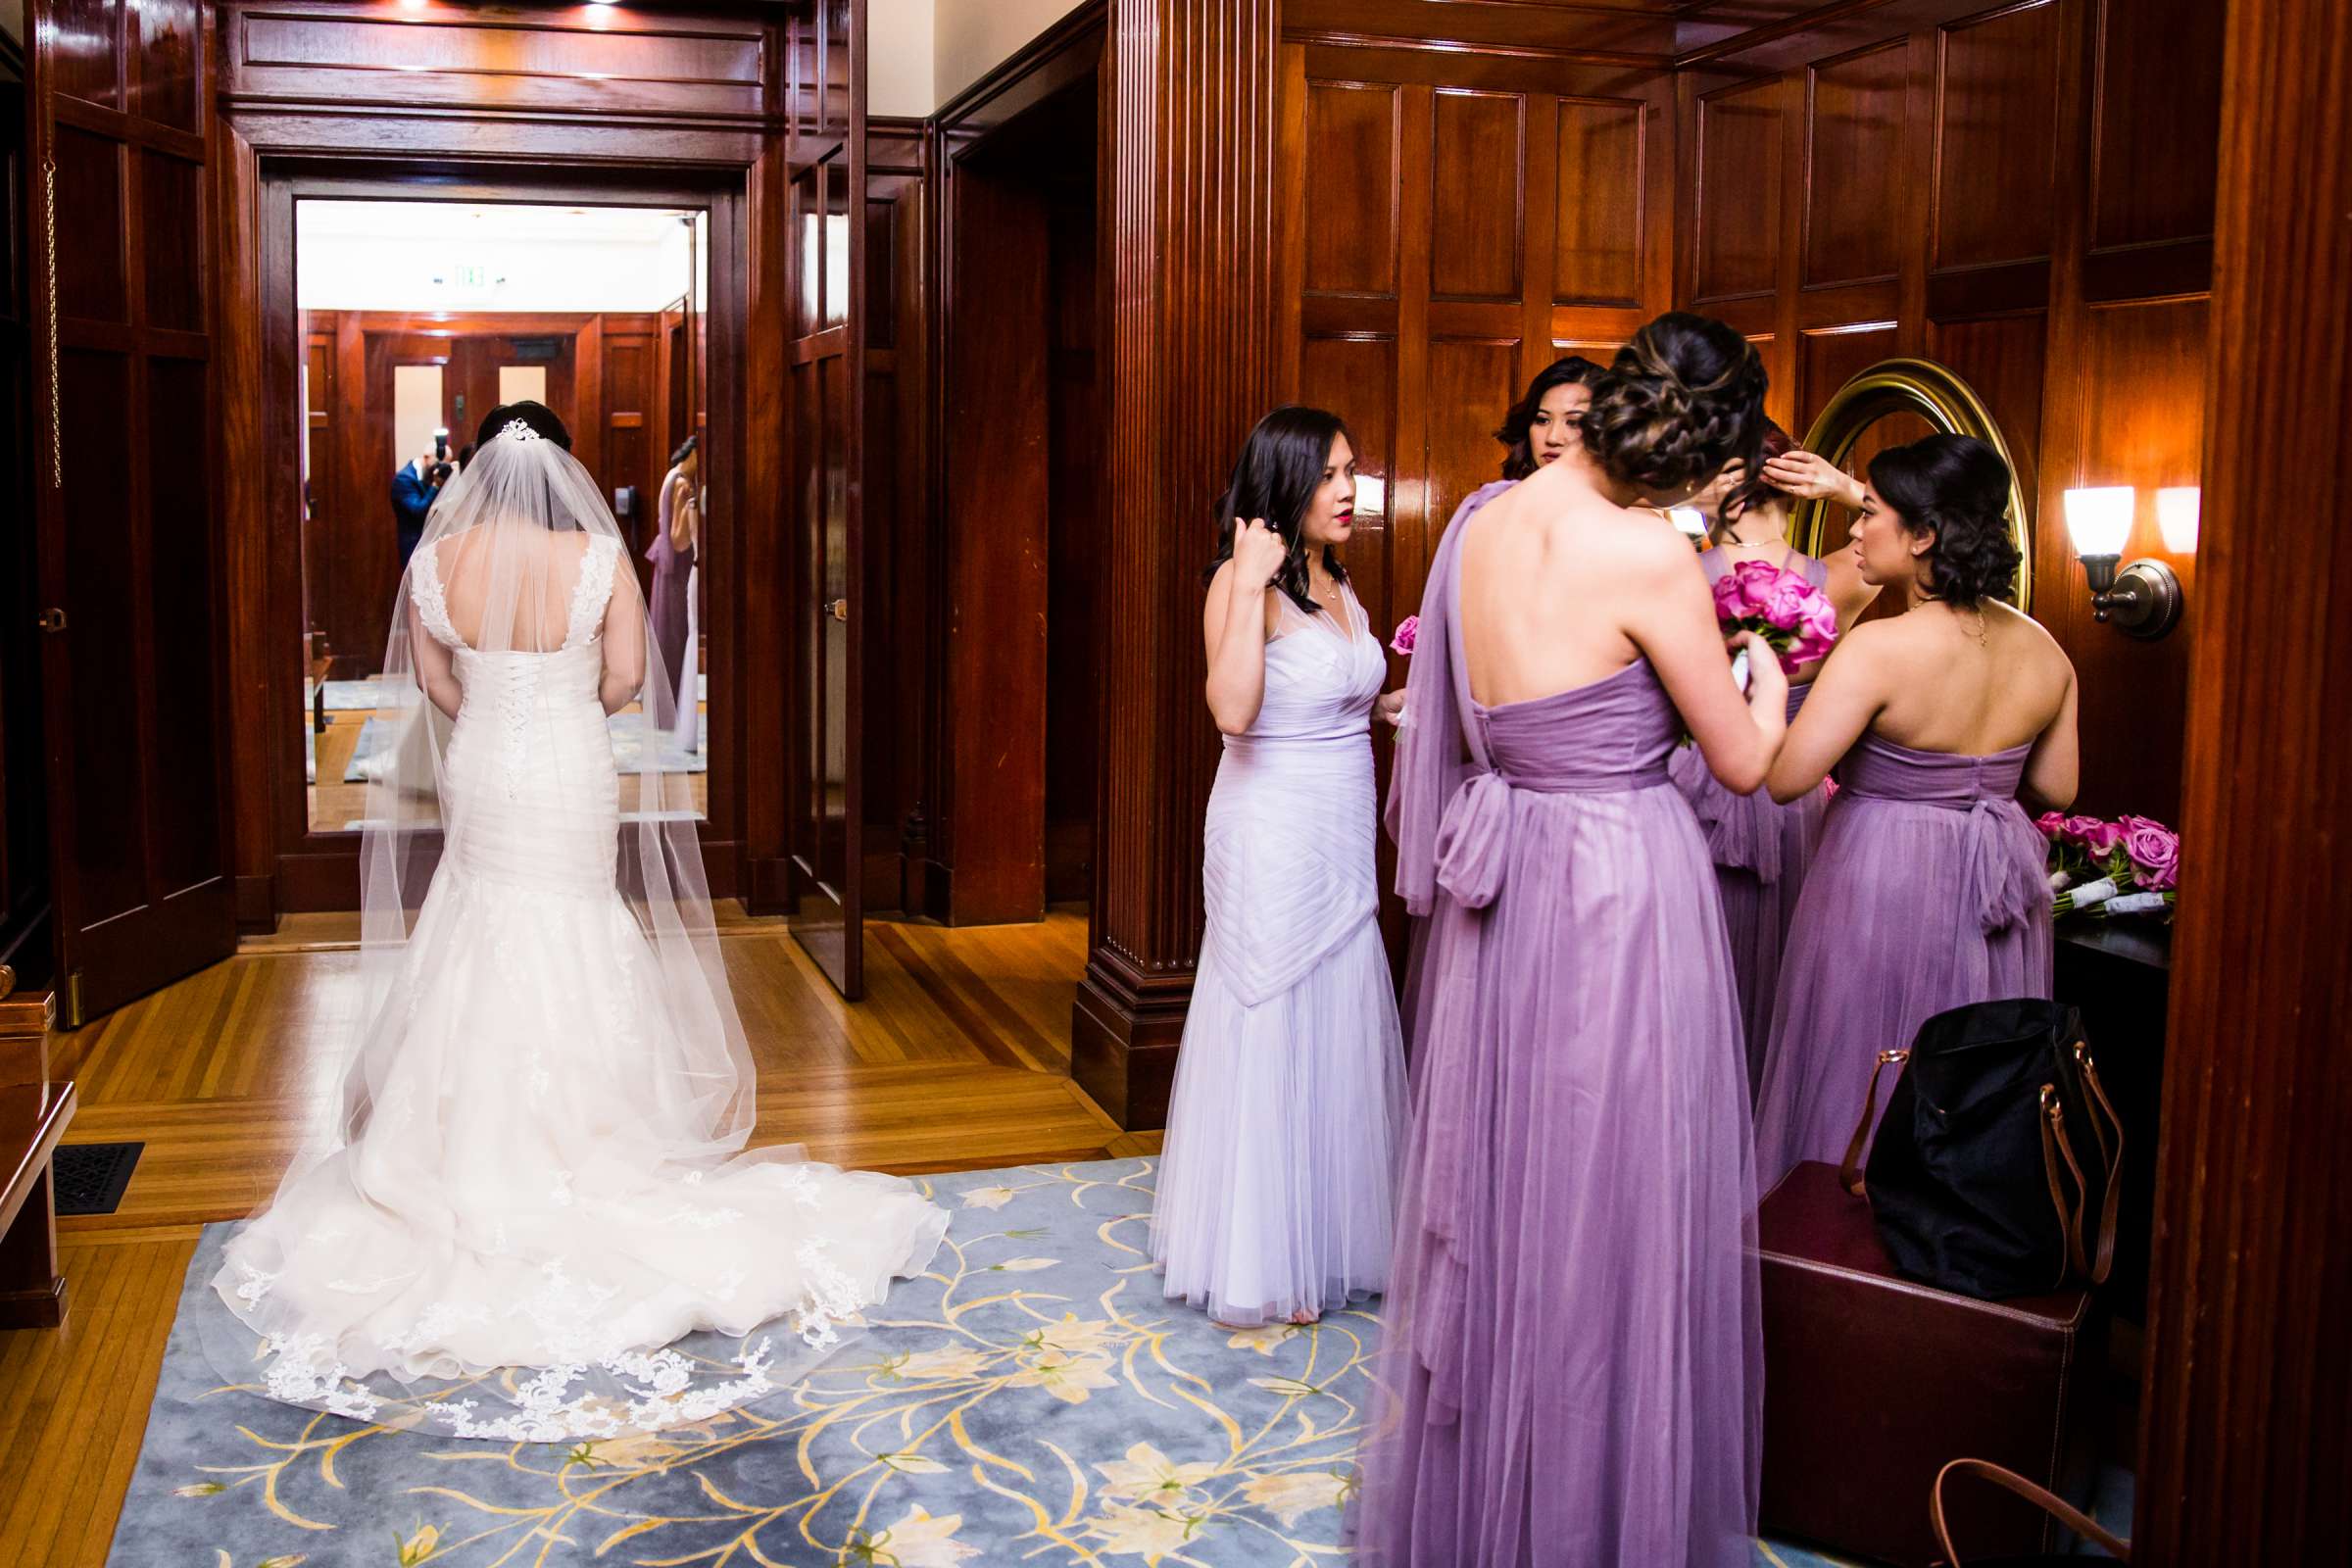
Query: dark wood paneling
point(2246, 1440)
point(1854, 162)
point(2155, 124)
point(25, 937)
point(1480, 141)
point(1352, 133)
point(1738, 200)
point(1599, 258)
point(1996, 138)
point(1193, 360)
point(1826, 360)
point(128, 560)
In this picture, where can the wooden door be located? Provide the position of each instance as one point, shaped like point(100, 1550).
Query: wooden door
point(827, 159)
point(130, 562)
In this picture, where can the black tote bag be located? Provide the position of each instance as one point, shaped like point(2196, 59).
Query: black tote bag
point(1996, 1173)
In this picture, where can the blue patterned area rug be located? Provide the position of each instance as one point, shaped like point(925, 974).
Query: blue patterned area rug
point(1033, 1401)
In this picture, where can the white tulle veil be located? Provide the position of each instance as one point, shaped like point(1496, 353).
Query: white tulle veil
point(506, 565)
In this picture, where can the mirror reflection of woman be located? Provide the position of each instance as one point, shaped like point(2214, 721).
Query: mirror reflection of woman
point(1761, 848)
point(1274, 1198)
point(1928, 891)
point(1570, 1370)
point(677, 537)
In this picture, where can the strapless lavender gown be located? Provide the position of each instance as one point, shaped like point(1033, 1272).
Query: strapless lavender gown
point(1278, 1175)
point(1572, 1366)
point(1761, 851)
point(1928, 892)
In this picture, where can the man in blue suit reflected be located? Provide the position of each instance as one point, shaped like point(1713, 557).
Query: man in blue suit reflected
point(414, 489)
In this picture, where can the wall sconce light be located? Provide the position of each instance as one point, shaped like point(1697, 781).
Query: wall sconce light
point(2177, 517)
point(2143, 599)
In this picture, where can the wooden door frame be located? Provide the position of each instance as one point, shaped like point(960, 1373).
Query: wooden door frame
point(320, 871)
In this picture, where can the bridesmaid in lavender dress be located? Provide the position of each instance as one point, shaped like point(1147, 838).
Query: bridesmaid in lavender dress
point(1539, 429)
point(1571, 1370)
point(1760, 847)
point(673, 554)
point(1276, 1183)
point(1928, 890)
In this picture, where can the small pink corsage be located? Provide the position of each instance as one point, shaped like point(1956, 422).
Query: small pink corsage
point(1408, 631)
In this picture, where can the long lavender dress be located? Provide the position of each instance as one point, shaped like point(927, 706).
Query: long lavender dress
point(1572, 1369)
point(672, 617)
point(1760, 849)
point(1277, 1178)
point(1928, 892)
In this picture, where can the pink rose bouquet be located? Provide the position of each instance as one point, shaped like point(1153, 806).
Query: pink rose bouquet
point(1783, 608)
point(2098, 867)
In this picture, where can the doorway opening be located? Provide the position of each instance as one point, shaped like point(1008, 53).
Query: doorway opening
point(418, 318)
point(1025, 462)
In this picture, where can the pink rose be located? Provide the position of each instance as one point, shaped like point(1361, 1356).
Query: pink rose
point(2102, 839)
point(1786, 599)
point(2052, 826)
point(2077, 829)
point(1821, 619)
point(2155, 851)
point(1730, 598)
point(1408, 632)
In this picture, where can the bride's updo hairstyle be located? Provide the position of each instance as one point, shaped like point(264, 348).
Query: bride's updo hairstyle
point(1957, 487)
point(538, 416)
point(1683, 398)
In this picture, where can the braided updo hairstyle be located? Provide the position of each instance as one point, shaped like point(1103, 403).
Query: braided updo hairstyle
point(1958, 486)
point(1683, 398)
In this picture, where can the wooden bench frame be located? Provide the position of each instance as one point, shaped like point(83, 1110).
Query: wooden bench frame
point(34, 1112)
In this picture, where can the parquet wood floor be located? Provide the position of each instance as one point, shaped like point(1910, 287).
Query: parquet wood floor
point(959, 1060)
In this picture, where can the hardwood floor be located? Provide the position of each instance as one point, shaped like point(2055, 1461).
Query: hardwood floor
point(959, 1060)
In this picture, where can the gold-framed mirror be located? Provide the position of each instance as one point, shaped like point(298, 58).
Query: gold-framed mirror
point(1893, 402)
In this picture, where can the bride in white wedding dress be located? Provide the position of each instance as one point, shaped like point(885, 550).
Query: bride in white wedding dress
point(536, 1220)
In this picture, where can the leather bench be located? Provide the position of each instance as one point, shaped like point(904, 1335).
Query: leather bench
point(1873, 1382)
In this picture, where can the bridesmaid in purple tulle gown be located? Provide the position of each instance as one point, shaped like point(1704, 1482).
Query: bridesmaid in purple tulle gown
point(1928, 890)
point(1571, 1370)
point(1761, 847)
point(676, 535)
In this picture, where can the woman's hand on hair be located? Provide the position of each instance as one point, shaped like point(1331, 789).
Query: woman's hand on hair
point(1811, 477)
point(1257, 555)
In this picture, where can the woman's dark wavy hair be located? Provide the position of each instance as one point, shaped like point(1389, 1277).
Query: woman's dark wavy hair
point(691, 445)
point(1754, 489)
point(1683, 398)
point(1519, 457)
point(538, 416)
point(1276, 477)
point(1958, 486)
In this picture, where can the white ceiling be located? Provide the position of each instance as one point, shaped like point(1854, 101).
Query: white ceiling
point(463, 256)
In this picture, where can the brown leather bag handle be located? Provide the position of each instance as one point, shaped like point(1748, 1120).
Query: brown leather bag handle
point(2103, 1259)
point(2055, 1145)
point(1850, 1169)
point(2057, 1507)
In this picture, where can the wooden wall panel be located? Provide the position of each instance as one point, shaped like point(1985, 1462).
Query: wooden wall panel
point(2155, 127)
point(1996, 138)
point(1828, 360)
point(1479, 139)
point(1739, 134)
point(1854, 165)
point(1599, 258)
point(1352, 136)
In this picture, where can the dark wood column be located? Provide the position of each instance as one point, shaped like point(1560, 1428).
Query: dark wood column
point(1188, 181)
point(2247, 1441)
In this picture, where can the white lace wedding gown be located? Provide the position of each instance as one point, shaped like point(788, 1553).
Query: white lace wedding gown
point(511, 1241)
